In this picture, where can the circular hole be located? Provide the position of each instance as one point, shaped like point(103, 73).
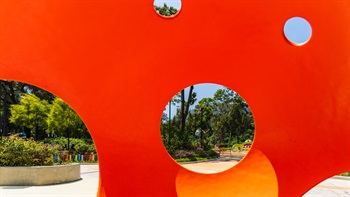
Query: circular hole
point(297, 31)
point(167, 8)
point(210, 124)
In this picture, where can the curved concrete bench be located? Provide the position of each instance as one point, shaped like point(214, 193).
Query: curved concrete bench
point(39, 175)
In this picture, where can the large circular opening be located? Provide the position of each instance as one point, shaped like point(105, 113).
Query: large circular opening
point(39, 129)
point(207, 128)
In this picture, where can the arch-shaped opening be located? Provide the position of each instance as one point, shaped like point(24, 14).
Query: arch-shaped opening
point(207, 128)
point(338, 185)
point(38, 128)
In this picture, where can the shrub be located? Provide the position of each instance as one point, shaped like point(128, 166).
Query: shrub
point(184, 154)
point(78, 146)
point(201, 153)
point(183, 160)
point(16, 151)
point(212, 154)
point(200, 159)
point(190, 155)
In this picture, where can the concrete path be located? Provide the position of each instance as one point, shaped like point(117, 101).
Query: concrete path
point(210, 167)
point(87, 187)
point(333, 187)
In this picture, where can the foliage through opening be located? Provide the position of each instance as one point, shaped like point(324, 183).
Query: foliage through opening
point(194, 127)
point(167, 8)
point(36, 126)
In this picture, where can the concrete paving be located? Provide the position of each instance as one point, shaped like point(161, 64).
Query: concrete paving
point(210, 167)
point(333, 187)
point(87, 187)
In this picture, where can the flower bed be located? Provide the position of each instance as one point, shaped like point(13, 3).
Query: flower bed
point(16, 151)
point(26, 162)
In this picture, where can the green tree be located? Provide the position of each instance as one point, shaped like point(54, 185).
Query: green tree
point(223, 119)
point(182, 112)
point(184, 108)
point(232, 116)
point(165, 10)
point(31, 113)
point(63, 121)
point(11, 92)
point(240, 118)
point(202, 115)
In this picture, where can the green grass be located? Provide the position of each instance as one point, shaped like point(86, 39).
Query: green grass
point(345, 174)
point(191, 159)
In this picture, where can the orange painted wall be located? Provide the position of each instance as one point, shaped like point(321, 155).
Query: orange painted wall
point(118, 63)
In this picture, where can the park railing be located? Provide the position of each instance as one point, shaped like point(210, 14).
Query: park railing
point(92, 157)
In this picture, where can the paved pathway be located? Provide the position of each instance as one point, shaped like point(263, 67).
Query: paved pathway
point(87, 187)
point(210, 167)
point(333, 187)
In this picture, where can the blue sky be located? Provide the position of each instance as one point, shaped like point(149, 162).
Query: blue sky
point(203, 90)
point(297, 30)
point(174, 3)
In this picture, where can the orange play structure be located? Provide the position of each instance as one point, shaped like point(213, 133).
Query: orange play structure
point(118, 63)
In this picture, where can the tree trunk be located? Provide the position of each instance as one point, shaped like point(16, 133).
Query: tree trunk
point(13, 97)
point(1, 126)
point(68, 140)
point(201, 127)
point(182, 114)
point(229, 139)
point(27, 131)
point(5, 117)
point(184, 111)
point(221, 139)
point(10, 92)
point(36, 133)
point(68, 143)
point(169, 129)
point(238, 139)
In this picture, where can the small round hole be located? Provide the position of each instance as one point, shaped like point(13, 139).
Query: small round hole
point(167, 8)
point(297, 30)
point(210, 124)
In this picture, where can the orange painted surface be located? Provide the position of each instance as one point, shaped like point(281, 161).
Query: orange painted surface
point(117, 63)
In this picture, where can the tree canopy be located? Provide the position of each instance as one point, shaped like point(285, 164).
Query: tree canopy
point(11, 92)
point(27, 108)
point(31, 112)
point(165, 10)
point(63, 121)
